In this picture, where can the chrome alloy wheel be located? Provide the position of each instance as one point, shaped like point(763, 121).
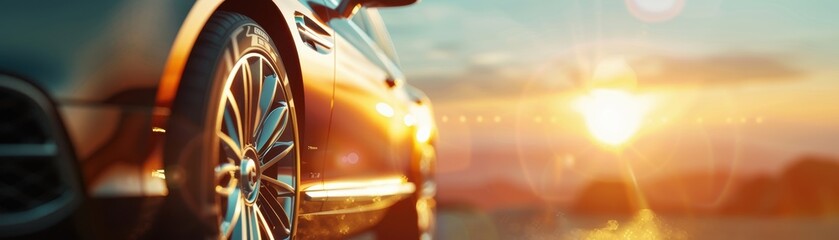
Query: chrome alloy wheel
point(256, 177)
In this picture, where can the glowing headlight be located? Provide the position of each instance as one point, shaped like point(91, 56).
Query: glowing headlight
point(424, 122)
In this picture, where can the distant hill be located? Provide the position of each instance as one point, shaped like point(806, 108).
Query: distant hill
point(492, 195)
point(807, 187)
point(607, 197)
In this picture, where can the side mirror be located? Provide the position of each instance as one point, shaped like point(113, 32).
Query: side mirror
point(347, 8)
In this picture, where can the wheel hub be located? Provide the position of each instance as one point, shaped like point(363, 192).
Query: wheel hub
point(250, 173)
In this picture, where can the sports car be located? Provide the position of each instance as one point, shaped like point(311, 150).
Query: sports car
point(234, 119)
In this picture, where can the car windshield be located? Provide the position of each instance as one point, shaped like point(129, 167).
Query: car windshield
point(633, 119)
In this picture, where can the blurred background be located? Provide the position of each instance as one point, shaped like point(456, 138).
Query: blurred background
point(641, 119)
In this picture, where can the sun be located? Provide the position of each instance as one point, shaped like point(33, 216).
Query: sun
point(612, 116)
point(612, 112)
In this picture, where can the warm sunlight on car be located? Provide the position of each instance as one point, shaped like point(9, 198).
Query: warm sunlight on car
point(612, 116)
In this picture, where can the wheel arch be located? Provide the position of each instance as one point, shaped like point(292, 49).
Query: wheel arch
point(268, 15)
point(265, 12)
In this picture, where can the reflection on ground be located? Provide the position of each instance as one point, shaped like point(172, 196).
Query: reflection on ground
point(463, 222)
point(645, 225)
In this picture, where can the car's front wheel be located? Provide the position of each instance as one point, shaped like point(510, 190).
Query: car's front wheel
point(231, 151)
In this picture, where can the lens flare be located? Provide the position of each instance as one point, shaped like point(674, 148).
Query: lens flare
point(655, 10)
point(612, 116)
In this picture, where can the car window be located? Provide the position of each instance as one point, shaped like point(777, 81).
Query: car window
point(360, 19)
point(378, 32)
point(371, 24)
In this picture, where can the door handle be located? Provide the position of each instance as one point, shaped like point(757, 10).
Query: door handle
point(313, 34)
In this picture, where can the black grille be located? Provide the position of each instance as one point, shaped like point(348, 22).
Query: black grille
point(20, 119)
point(27, 183)
point(29, 153)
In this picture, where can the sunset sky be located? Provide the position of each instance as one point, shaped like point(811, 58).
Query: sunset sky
point(742, 86)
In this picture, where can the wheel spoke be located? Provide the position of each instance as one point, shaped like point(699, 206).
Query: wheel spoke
point(235, 128)
point(266, 97)
point(278, 213)
point(264, 223)
point(278, 183)
point(255, 93)
point(240, 226)
point(273, 125)
point(253, 223)
point(232, 130)
point(227, 169)
point(230, 146)
point(246, 98)
point(281, 144)
point(234, 207)
point(238, 97)
point(278, 157)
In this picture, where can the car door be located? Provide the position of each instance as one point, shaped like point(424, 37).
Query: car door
point(316, 52)
point(368, 147)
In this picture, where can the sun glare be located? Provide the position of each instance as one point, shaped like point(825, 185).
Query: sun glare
point(612, 116)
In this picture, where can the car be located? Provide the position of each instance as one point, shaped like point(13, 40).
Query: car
point(236, 119)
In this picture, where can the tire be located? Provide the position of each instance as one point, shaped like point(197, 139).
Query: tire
point(231, 150)
point(414, 216)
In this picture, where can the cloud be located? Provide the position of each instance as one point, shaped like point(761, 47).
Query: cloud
point(490, 58)
point(653, 70)
point(714, 70)
point(476, 80)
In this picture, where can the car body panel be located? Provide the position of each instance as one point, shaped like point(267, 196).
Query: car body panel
point(367, 140)
point(100, 62)
point(369, 148)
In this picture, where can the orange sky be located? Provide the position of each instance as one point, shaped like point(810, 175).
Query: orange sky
point(741, 86)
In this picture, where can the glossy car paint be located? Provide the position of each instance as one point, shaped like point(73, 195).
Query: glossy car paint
point(369, 140)
point(112, 69)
